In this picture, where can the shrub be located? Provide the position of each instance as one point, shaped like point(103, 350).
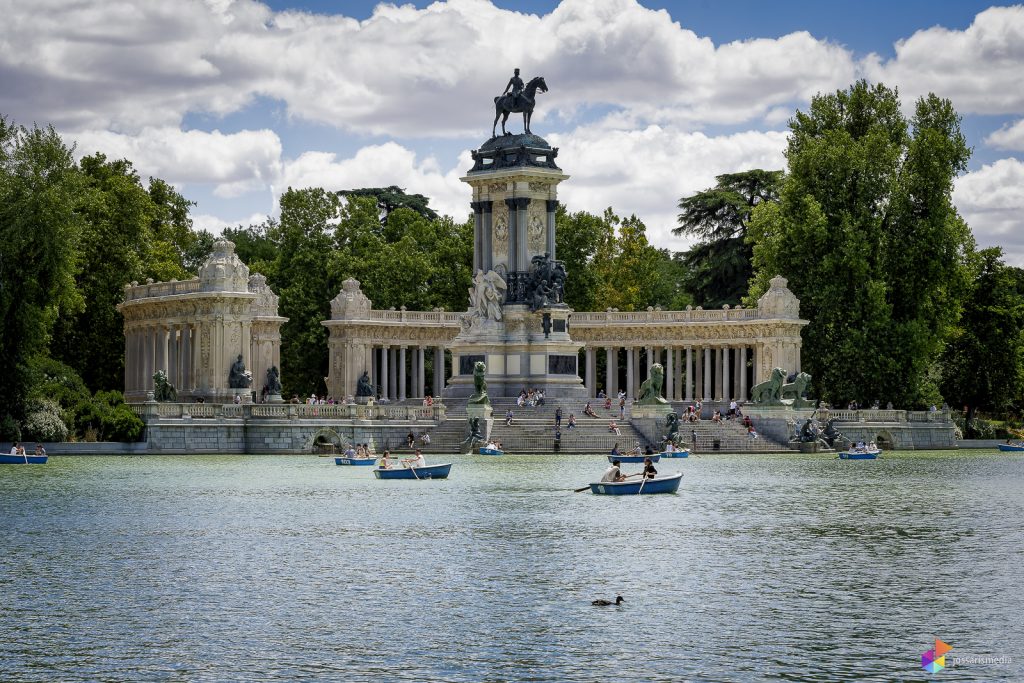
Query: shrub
point(44, 421)
point(121, 424)
point(10, 430)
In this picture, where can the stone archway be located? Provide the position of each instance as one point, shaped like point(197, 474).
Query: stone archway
point(884, 440)
point(324, 441)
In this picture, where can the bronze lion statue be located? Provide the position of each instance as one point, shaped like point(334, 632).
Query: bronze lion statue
point(479, 384)
point(650, 390)
point(769, 391)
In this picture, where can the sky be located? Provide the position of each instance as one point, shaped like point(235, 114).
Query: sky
point(233, 101)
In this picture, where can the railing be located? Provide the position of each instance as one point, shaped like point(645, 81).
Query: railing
point(155, 289)
point(405, 413)
point(444, 318)
point(654, 316)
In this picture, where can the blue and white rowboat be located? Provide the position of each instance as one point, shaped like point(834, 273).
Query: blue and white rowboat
point(666, 483)
point(1012, 447)
point(634, 458)
point(431, 472)
point(344, 460)
point(491, 451)
point(675, 454)
point(859, 455)
point(23, 459)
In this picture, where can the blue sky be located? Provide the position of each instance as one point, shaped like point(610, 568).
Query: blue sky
point(235, 100)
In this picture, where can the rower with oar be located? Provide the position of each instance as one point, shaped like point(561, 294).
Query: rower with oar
point(614, 474)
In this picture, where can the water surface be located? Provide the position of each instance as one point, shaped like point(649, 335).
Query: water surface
point(763, 567)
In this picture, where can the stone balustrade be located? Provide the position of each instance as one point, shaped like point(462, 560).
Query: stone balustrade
point(152, 290)
point(293, 411)
point(653, 315)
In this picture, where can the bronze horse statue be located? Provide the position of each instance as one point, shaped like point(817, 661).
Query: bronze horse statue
point(506, 104)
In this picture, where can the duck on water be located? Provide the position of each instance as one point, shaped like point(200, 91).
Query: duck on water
point(601, 602)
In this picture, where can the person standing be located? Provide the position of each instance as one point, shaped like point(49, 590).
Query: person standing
point(558, 440)
point(693, 434)
point(558, 417)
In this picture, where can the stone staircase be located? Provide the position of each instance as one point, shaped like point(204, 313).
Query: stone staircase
point(533, 429)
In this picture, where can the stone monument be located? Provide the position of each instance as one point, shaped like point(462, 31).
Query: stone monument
point(517, 323)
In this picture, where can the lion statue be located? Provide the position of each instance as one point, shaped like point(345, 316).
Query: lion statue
point(797, 389)
point(163, 390)
point(479, 384)
point(650, 390)
point(770, 391)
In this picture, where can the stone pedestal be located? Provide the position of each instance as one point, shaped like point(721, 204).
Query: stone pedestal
point(275, 398)
point(484, 412)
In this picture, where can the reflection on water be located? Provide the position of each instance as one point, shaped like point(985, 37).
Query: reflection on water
point(795, 567)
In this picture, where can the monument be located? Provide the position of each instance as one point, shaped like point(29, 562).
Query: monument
point(517, 323)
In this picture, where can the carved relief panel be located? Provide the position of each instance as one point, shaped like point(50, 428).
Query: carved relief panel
point(500, 235)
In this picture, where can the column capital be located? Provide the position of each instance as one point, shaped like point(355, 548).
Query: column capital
point(552, 204)
point(517, 202)
point(477, 207)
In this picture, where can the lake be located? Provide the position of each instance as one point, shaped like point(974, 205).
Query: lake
point(792, 567)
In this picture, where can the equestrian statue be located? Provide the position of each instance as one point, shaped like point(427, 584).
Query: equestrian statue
point(517, 98)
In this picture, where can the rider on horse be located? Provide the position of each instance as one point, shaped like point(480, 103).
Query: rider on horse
point(516, 85)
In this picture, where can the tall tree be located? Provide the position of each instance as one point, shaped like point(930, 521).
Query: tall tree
point(720, 265)
point(40, 232)
point(983, 365)
point(578, 237)
point(627, 265)
point(866, 232)
point(305, 237)
point(393, 197)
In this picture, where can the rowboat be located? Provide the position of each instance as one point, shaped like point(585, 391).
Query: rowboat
point(344, 460)
point(675, 454)
point(431, 472)
point(859, 454)
point(634, 458)
point(23, 459)
point(491, 451)
point(666, 483)
point(1016, 447)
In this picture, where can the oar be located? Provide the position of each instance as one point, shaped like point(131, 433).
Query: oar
point(641, 489)
point(585, 488)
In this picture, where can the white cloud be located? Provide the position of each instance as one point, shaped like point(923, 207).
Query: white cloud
point(235, 163)
point(647, 171)
point(981, 69)
point(216, 225)
point(1008, 137)
point(383, 165)
point(991, 200)
point(405, 72)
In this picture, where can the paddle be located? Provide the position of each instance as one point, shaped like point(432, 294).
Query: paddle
point(641, 489)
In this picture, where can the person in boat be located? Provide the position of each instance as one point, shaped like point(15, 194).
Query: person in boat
point(491, 446)
point(649, 472)
point(360, 453)
point(670, 447)
point(350, 452)
point(40, 450)
point(615, 449)
point(385, 460)
point(648, 450)
point(416, 461)
point(613, 473)
point(15, 448)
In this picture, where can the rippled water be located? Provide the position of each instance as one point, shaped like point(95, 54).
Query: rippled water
point(793, 567)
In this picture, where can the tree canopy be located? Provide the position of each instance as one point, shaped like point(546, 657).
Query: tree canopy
point(867, 235)
point(719, 266)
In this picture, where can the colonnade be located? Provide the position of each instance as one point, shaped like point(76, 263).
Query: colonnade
point(708, 372)
point(399, 371)
point(171, 347)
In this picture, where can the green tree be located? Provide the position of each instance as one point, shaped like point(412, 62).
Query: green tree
point(983, 365)
point(719, 265)
point(390, 198)
point(117, 247)
point(627, 265)
point(578, 236)
point(867, 235)
point(303, 280)
point(40, 232)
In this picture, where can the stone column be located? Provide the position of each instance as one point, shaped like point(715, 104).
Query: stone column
point(401, 373)
point(743, 373)
point(197, 359)
point(147, 358)
point(688, 382)
point(487, 255)
point(478, 236)
point(637, 377)
point(392, 371)
point(421, 368)
point(374, 367)
point(438, 370)
point(670, 375)
point(513, 235)
point(630, 369)
point(609, 369)
point(706, 394)
point(522, 232)
point(726, 383)
point(552, 206)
